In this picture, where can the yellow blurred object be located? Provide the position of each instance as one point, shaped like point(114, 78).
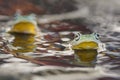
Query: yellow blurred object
point(86, 57)
point(24, 27)
point(86, 45)
point(23, 43)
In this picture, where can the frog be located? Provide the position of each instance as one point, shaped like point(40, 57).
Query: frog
point(87, 41)
point(24, 29)
point(86, 48)
point(25, 24)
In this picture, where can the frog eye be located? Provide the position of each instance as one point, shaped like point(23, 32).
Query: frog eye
point(77, 36)
point(96, 36)
point(32, 16)
point(17, 14)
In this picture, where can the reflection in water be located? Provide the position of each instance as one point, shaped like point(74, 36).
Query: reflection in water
point(86, 57)
point(23, 43)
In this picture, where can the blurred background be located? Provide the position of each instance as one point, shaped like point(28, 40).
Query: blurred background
point(102, 12)
point(58, 6)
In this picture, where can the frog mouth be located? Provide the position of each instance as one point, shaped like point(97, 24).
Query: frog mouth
point(86, 45)
point(23, 27)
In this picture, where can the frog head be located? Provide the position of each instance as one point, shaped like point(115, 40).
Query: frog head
point(25, 18)
point(24, 24)
point(86, 41)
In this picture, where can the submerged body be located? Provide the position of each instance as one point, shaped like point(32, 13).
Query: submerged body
point(23, 43)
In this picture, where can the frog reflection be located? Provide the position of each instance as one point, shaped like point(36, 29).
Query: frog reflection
point(23, 43)
point(86, 47)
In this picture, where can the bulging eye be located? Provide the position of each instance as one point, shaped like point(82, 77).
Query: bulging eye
point(96, 36)
point(77, 36)
point(32, 16)
point(17, 15)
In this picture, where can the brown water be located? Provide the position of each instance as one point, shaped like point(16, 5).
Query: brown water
point(53, 53)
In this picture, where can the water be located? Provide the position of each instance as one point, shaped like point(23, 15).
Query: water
point(53, 52)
